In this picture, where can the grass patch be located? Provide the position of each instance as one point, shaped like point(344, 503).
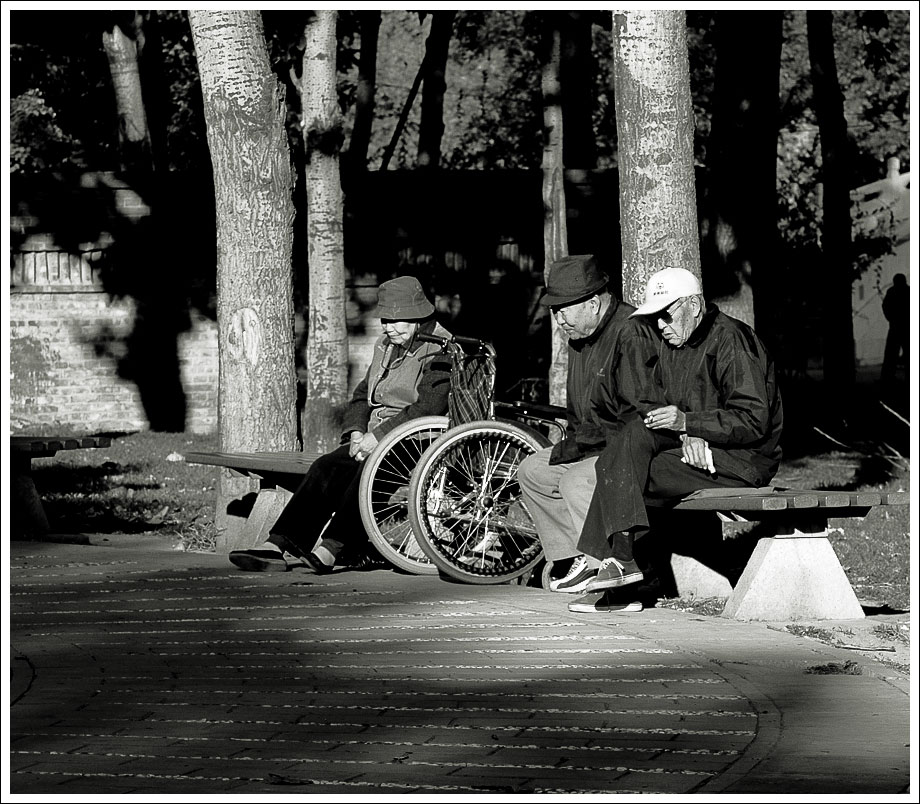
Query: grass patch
point(137, 485)
point(835, 669)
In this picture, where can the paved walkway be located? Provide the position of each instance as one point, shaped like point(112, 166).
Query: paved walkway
point(139, 670)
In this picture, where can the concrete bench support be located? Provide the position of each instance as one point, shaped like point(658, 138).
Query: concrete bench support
point(795, 575)
point(793, 572)
point(268, 506)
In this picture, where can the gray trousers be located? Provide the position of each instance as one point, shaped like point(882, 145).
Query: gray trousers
point(558, 498)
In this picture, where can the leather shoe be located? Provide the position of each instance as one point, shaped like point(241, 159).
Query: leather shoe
point(287, 545)
point(318, 566)
point(259, 560)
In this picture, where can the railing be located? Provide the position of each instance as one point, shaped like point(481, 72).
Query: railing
point(50, 270)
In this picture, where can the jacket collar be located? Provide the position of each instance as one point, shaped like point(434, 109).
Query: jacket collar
point(581, 343)
point(702, 331)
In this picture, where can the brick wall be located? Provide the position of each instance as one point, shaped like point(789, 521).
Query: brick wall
point(66, 350)
point(82, 359)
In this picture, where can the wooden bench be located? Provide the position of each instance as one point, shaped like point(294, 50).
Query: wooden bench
point(793, 574)
point(279, 474)
point(27, 514)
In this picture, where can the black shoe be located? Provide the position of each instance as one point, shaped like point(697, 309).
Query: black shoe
point(318, 566)
point(369, 561)
point(259, 560)
point(604, 603)
point(614, 573)
point(287, 545)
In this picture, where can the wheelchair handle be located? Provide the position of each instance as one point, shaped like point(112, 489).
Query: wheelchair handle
point(534, 409)
point(458, 339)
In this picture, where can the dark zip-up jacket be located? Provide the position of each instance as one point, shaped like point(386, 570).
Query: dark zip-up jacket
point(724, 382)
point(589, 360)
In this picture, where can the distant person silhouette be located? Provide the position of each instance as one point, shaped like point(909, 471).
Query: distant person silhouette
point(896, 307)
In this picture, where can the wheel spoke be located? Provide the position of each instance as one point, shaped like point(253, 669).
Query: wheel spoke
point(479, 524)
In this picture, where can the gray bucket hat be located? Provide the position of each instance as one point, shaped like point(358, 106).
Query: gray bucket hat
point(402, 299)
point(572, 279)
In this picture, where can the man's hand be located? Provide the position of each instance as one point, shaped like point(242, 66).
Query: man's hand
point(697, 453)
point(667, 418)
point(364, 447)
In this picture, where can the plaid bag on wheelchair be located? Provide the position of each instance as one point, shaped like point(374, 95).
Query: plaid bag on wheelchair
point(472, 381)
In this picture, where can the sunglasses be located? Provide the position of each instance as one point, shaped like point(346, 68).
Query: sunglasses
point(667, 315)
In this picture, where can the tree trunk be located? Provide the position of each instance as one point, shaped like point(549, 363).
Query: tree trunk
point(555, 237)
point(431, 125)
point(836, 226)
point(359, 143)
point(157, 101)
point(245, 113)
point(133, 134)
point(741, 239)
point(327, 345)
point(658, 218)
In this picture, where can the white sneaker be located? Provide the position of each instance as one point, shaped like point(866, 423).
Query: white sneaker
point(578, 566)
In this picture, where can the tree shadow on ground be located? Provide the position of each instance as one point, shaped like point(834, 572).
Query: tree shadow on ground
point(98, 499)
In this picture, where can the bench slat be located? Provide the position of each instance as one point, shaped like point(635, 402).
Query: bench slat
point(845, 503)
point(47, 444)
point(295, 463)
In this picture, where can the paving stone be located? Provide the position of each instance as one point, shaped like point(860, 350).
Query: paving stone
point(152, 672)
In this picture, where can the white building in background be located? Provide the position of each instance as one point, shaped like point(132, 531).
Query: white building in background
point(881, 208)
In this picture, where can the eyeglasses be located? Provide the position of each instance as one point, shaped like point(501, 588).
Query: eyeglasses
point(667, 315)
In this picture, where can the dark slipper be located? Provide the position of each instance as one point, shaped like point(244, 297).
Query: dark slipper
point(258, 560)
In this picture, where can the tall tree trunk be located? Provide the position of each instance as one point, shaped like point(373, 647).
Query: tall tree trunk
point(245, 113)
point(741, 220)
point(156, 94)
point(327, 345)
point(658, 219)
point(576, 73)
point(431, 125)
point(836, 225)
point(133, 134)
point(555, 236)
point(369, 25)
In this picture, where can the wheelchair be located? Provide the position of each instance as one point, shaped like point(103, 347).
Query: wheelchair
point(441, 494)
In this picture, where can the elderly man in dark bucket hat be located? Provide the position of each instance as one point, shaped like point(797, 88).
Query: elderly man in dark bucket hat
point(557, 483)
point(407, 378)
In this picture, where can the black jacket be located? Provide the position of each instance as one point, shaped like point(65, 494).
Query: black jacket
point(590, 362)
point(725, 383)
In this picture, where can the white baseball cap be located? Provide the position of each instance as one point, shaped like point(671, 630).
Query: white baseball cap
point(666, 286)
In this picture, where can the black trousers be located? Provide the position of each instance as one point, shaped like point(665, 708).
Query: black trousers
point(329, 489)
point(639, 468)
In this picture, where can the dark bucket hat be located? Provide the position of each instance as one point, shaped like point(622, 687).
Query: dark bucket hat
point(572, 279)
point(402, 299)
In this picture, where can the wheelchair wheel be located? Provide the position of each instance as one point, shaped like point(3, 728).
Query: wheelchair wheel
point(465, 503)
point(384, 492)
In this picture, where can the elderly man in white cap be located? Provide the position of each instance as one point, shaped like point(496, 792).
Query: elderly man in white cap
point(711, 417)
point(407, 378)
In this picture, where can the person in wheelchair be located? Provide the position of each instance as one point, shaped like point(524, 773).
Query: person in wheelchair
point(557, 482)
point(407, 378)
